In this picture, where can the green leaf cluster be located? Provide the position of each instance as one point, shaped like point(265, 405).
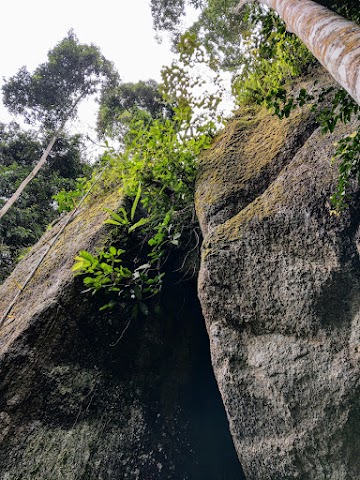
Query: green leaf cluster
point(272, 57)
point(348, 152)
point(156, 174)
point(133, 285)
point(331, 106)
point(67, 200)
point(35, 210)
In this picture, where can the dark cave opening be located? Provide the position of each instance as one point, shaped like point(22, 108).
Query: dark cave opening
point(214, 453)
point(170, 356)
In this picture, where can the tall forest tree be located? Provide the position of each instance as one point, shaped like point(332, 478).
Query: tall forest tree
point(122, 104)
point(52, 93)
point(333, 40)
point(27, 220)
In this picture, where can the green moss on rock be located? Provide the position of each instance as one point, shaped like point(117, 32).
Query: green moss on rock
point(253, 148)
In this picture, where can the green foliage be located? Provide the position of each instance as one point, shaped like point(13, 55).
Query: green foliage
point(331, 105)
point(28, 219)
point(339, 107)
point(167, 14)
point(67, 200)
point(342, 109)
point(254, 46)
point(348, 151)
point(221, 32)
point(104, 269)
point(283, 104)
point(217, 27)
point(156, 172)
point(123, 103)
point(121, 218)
point(216, 17)
point(197, 71)
point(134, 285)
point(272, 57)
point(51, 94)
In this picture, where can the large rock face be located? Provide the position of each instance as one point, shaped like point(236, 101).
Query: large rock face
point(279, 287)
point(80, 401)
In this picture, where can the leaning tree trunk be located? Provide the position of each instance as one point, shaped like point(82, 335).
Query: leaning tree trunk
point(31, 175)
point(334, 41)
point(42, 160)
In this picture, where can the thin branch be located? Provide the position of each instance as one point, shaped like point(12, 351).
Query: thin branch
point(122, 334)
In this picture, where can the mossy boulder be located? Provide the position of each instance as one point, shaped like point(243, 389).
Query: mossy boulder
point(90, 395)
point(279, 286)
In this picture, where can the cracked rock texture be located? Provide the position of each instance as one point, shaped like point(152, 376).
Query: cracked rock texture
point(77, 403)
point(280, 292)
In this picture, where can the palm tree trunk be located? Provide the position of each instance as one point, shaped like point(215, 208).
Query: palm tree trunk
point(334, 41)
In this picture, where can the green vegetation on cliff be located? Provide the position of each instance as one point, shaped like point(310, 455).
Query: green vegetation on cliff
point(27, 220)
point(163, 129)
point(163, 139)
point(156, 173)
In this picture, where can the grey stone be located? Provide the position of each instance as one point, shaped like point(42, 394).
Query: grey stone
point(280, 292)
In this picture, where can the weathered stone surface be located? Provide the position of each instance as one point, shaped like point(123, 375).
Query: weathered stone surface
point(279, 287)
point(77, 404)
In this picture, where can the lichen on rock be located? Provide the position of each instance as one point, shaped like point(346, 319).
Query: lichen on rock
point(279, 286)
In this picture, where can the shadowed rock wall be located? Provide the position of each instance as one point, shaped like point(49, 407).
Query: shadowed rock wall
point(77, 404)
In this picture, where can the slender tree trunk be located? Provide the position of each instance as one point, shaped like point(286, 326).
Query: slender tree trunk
point(334, 41)
point(41, 162)
point(31, 175)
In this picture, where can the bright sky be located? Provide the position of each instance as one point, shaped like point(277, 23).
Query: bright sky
point(121, 28)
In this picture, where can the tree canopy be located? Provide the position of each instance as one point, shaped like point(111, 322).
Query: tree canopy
point(168, 14)
point(53, 91)
point(255, 41)
point(122, 103)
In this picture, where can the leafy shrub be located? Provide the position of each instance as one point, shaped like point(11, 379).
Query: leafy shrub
point(156, 175)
